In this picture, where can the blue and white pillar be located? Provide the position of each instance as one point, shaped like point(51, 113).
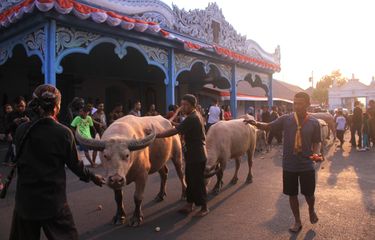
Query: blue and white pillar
point(50, 53)
point(170, 88)
point(270, 98)
point(233, 93)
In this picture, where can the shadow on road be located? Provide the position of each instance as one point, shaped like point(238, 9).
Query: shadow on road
point(176, 224)
point(363, 164)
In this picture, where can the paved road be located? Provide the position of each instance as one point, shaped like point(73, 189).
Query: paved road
point(345, 205)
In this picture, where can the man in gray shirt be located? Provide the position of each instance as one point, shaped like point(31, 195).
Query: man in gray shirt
point(301, 145)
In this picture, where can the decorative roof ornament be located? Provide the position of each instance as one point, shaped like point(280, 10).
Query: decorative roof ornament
point(147, 10)
point(197, 29)
point(201, 24)
point(5, 4)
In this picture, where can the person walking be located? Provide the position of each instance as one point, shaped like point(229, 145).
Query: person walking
point(227, 113)
point(371, 122)
point(100, 124)
point(43, 148)
point(356, 127)
point(84, 124)
point(340, 126)
point(116, 113)
point(73, 109)
point(136, 111)
point(192, 128)
point(365, 132)
point(266, 115)
point(214, 114)
point(7, 109)
point(152, 111)
point(13, 121)
point(301, 148)
point(274, 134)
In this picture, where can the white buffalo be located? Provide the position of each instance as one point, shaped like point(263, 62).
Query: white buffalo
point(324, 134)
point(329, 119)
point(229, 140)
point(129, 155)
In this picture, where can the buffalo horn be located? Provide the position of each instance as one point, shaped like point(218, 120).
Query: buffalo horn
point(92, 144)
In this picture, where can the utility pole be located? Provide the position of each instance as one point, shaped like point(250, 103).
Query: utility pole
point(311, 79)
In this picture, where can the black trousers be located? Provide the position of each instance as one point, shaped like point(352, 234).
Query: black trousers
point(59, 228)
point(306, 181)
point(196, 189)
point(274, 134)
point(9, 156)
point(353, 131)
point(340, 135)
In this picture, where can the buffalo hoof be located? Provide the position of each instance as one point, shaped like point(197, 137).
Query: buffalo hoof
point(217, 188)
point(234, 181)
point(249, 179)
point(216, 191)
point(136, 221)
point(119, 219)
point(160, 197)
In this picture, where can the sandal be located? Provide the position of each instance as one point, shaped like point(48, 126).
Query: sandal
point(202, 213)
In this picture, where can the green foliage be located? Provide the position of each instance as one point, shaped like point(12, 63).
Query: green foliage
point(320, 93)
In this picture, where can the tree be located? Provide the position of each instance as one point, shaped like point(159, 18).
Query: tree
point(320, 93)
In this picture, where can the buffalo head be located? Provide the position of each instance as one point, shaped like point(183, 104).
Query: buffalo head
point(116, 155)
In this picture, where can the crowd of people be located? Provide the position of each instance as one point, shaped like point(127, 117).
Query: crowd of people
point(92, 119)
point(361, 125)
point(89, 119)
point(52, 142)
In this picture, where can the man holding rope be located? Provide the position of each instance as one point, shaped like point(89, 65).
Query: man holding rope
point(301, 147)
point(43, 147)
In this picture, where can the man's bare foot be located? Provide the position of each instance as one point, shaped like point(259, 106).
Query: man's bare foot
point(202, 212)
point(295, 228)
point(313, 217)
point(186, 209)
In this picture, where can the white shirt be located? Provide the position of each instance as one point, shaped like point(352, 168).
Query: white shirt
point(214, 114)
point(341, 122)
point(93, 110)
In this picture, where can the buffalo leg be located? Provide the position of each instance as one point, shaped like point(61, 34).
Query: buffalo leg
point(235, 177)
point(140, 185)
point(219, 176)
point(163, 172)
point(177, 162)
point(250, 155)
point(120, 217)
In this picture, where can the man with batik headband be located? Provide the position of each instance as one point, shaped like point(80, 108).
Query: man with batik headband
point(43, 148)
point(301, 147)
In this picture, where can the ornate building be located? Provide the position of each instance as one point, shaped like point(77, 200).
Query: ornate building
point(344, 96)
point(122, 50)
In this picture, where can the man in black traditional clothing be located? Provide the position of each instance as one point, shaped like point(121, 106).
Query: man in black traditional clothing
point(195, 155)
point(43, 147)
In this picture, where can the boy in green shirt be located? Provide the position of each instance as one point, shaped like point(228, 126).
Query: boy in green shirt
point(84, 123)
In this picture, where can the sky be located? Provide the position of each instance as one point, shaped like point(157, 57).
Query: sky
point(316, 36)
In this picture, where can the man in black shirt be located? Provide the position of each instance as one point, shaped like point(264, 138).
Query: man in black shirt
point(195, 155)
point(356, 125)
point(266, 116)
point(13, 120)
point(43, 148)
point(274, 133)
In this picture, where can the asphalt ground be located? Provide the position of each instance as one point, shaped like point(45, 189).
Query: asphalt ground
point(345, 202)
